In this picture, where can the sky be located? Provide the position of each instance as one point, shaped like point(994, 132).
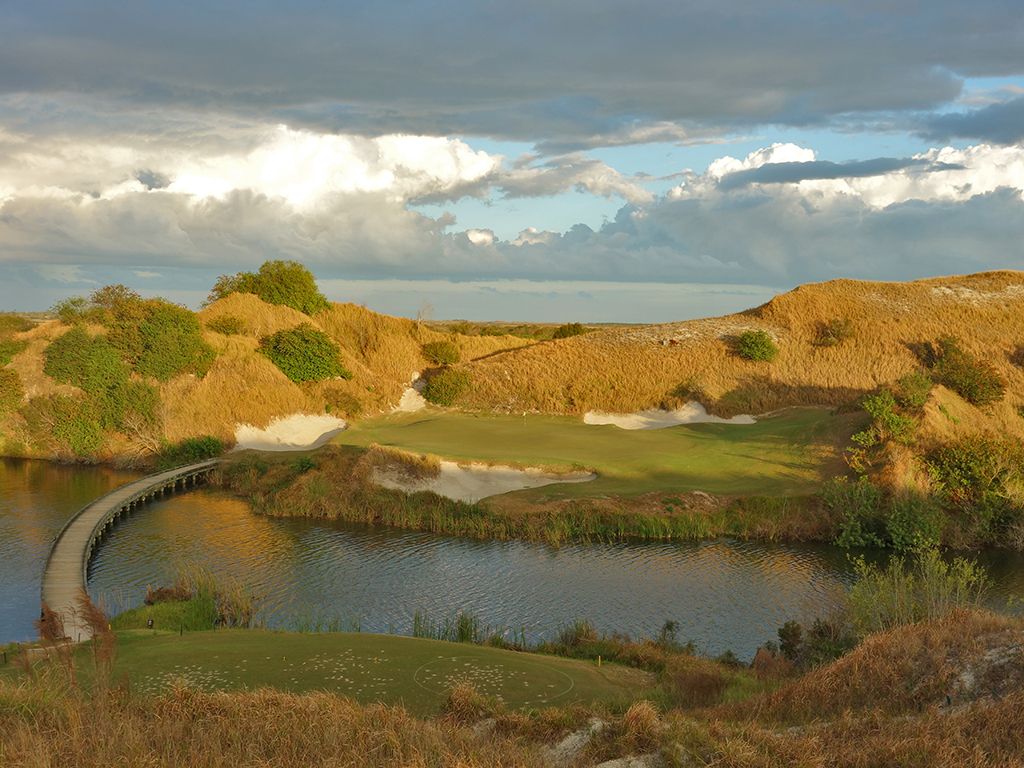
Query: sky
point(638, 161)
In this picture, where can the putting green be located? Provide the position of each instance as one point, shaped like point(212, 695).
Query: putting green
point(787, 453)
point(369, 668)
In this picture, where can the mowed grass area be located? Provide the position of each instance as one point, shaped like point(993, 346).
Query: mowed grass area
point(783, 454)
point(369, 668)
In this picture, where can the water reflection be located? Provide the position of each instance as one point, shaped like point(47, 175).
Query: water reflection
point(723, 594)
point(36, 498)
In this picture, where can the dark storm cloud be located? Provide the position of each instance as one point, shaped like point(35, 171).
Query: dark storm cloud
point(1001, 123)
point(568, 72)
point(789, 173)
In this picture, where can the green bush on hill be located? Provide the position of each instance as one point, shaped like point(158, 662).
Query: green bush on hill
point(229, 325)
point(169, 342)
point(757, 346)
point(153, 336)
point(70, 424)
point(304, 354)
point(568, 330)
point(834, 332)
point(277, 282)
point(913, 390)
point(441, 352)
point(191, 450)
point(976, 381)
point(887, 423)
point(446, 387)
point(9, 348)
point(11, 391)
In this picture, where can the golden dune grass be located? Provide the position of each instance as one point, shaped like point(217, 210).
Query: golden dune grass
point(629, 369)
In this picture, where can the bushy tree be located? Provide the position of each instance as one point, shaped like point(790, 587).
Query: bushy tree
point(169, 341)
point(277, 282)
point(304, 354)
point(757, 346)
point(441, 352)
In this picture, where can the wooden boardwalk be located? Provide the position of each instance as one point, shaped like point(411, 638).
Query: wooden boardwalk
point(66, 572)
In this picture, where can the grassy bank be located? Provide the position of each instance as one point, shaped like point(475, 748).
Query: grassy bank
point(942, 693)
point(335, 483)
point(786, 454)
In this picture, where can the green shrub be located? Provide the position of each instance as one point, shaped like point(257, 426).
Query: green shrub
point(169, 342)
point(71, 424)
point(191, 450)
point(913, 390)
point(14, 323)
point(441, 352)
point(568, 330)
point(71, 310)
point(446, 387)
point(339, 401)
point(757, 346)
point(11, 391)
point(887, 423)
point(9, 348)
point(229, 325)
point(277, 282)
point(834, 332)
point(976, 381)
point(88, 362)
point(304, 354)
point(902, 593)
point(859, 507)
point(914, 521)
point(979, 479)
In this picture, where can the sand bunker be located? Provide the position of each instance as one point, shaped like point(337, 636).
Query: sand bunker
point(297, 432)
point(412, 400)
point(655, 418)
point(473, 482)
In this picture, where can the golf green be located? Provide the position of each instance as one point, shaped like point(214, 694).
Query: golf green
point(786, 453)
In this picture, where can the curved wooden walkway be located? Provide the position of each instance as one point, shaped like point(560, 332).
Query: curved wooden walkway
point(66, 572)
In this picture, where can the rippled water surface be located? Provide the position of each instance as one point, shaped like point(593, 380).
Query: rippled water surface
point(723, 594)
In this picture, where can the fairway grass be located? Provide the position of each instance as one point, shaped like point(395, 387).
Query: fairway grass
point(788, 453)
point(414, 672)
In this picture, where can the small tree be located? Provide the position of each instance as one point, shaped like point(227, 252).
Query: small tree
point(304, 354)
point(757, 346)
point(277, 282)
point(441, 352)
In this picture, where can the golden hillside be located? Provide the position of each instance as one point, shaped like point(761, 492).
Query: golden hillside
point(243, 386)
point(628, 369)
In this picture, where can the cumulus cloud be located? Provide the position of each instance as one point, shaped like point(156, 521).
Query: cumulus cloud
point(574, 171)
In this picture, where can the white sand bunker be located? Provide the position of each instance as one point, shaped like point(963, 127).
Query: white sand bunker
point(656, 418)
point(473, 482)
point(300, 431)
point(412, 400)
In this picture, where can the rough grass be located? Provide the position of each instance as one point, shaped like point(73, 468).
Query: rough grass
point(628, 369)
point(884, 704)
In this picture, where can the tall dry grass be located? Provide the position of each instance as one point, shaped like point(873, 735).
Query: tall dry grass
point(628, 369)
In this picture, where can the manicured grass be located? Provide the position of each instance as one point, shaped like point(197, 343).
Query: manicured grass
point(788, 453)
point(369, 668)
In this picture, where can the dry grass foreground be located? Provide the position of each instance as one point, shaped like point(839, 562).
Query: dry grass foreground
point(628, 369)
point(942, 694)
